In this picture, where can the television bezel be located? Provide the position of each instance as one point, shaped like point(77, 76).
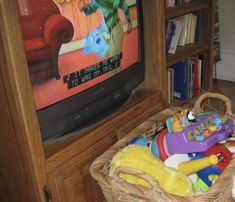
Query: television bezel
point(48, 115)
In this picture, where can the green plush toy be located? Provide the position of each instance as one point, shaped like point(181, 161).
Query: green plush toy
point(140, 158)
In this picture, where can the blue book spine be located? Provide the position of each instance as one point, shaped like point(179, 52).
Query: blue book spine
point(170, 34)
point(180, 80)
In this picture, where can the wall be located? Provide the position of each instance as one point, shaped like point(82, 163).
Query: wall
point(226, 67)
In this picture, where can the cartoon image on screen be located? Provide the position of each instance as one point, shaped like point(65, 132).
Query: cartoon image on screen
point(109, 10)
point(95, 41)
point(73, 45)
point(85, 59)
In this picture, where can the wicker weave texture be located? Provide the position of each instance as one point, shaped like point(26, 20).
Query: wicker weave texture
point(118, 190)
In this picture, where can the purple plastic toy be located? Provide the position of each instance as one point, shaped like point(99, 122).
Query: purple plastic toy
point(189, 140)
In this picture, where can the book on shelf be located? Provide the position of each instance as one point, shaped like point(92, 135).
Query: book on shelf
point(179, 90)
point(184, 79)
point(169, 86)
point(180, 32)
point(180, 2)
point(200, 72)
point(189, 78)
point(189, 29)
point(176, 35)
point(172, 3)
point(184, 32)
point(169, 33)
point(192, 29)
point(170, 73)
point(196, 76)
point(198, 30)
point(197, 65)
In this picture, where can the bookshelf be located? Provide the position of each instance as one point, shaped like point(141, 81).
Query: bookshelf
point(172, 12)
point(204, 46)
point(185, 52)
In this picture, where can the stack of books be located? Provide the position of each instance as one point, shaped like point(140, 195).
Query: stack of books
point(184, 79)
point(182, 31)
point(172, 3)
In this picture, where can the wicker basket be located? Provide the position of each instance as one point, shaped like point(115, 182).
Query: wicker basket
point(117, 189)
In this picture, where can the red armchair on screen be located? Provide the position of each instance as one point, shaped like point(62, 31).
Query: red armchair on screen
point(44, 30)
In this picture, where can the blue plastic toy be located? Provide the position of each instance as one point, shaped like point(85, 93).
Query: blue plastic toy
point(210, 174)
point(146, 142)
point(206, 172)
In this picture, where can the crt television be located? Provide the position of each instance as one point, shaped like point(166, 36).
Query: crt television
point(84, 57)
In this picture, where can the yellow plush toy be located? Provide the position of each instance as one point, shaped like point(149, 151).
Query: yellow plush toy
point(62, 1)
point(140, 158)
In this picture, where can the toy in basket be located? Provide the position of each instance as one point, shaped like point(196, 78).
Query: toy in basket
point(210, 174)
point(141, 158)
point(200, 135)
point(116, 188)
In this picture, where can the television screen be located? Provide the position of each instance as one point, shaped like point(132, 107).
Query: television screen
point(84, 57)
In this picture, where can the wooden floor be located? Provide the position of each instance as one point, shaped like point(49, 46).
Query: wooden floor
point(226, 87)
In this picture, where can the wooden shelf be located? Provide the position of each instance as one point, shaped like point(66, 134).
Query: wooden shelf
point(203, 46)
point(143, 109)
point(141, 99)
point(173, 12)
point(185, 52)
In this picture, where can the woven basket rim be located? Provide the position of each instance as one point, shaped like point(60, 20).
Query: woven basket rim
point(99, 167)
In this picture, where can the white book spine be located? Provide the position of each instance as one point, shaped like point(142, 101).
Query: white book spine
point(170, 3)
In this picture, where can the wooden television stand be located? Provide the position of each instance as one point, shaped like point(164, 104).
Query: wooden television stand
point(59, 172)
point(33, 171)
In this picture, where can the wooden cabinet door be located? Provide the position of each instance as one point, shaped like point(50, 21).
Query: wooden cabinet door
point(72, 181)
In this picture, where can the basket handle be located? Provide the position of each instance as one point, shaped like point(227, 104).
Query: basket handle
point(137, 173)
point(149, 193)
point(198, 108)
